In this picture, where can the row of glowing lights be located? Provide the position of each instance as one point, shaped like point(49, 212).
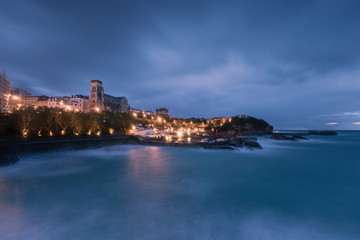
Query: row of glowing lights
point(63, 132)
point(67, 108)
point(111, 131)
point(163, 120)
point(159, 119)
point(188, 130)
point(169, 138)
point(179, 134)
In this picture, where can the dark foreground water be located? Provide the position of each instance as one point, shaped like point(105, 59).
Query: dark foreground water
point(289, 190)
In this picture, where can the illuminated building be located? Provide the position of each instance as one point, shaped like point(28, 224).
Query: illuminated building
point(115, 104)
point(97, 100)
point(20, 92)
point(141, 113)
point(78, 103)
point(42, 101)
point(29, 101)
point(149, 113)
point(162, 111)
point(137, 111)
point(96, 96)
point(5, 91)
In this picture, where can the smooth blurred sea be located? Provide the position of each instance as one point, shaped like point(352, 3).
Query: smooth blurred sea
point(309, 189)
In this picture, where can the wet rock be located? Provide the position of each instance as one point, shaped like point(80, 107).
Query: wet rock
point(277, 136)
point(297, 136)
point(236, 142)
point(326, 133)
point(253, 145)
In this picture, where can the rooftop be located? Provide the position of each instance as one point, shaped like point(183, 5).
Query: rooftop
point(96, 81)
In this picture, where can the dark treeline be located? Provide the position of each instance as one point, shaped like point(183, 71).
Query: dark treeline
point(43, 121)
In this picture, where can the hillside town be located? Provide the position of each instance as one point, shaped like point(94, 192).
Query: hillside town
point(12, 98)
point(101, 112)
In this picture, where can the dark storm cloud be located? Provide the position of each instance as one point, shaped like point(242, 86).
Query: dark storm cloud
point(294, 63)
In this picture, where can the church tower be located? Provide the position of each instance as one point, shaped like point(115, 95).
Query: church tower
point(96, 96)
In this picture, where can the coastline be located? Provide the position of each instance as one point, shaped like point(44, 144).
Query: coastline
point(11, 149)
point(21, 145)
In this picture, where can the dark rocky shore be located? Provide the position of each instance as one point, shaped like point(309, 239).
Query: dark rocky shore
point(230, 144)
point(9, 150)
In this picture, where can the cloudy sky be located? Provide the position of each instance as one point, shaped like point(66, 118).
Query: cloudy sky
point(293, 63)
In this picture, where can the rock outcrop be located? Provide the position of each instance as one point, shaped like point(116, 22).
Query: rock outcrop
point(299, 136)
point(326, 133)
point(277, 136)
point(245, 125)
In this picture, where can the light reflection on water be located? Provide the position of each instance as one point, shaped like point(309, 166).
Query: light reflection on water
point(147, 161)
point(290, 190)
point(11, 208)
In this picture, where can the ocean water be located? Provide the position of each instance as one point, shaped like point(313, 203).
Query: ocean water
point(309, 189)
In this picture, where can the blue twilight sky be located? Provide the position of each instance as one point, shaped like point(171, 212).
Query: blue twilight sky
point(293, 63)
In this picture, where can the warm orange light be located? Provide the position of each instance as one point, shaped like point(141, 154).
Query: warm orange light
point(97, 109)
point(111, 131)
point(24, 132)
